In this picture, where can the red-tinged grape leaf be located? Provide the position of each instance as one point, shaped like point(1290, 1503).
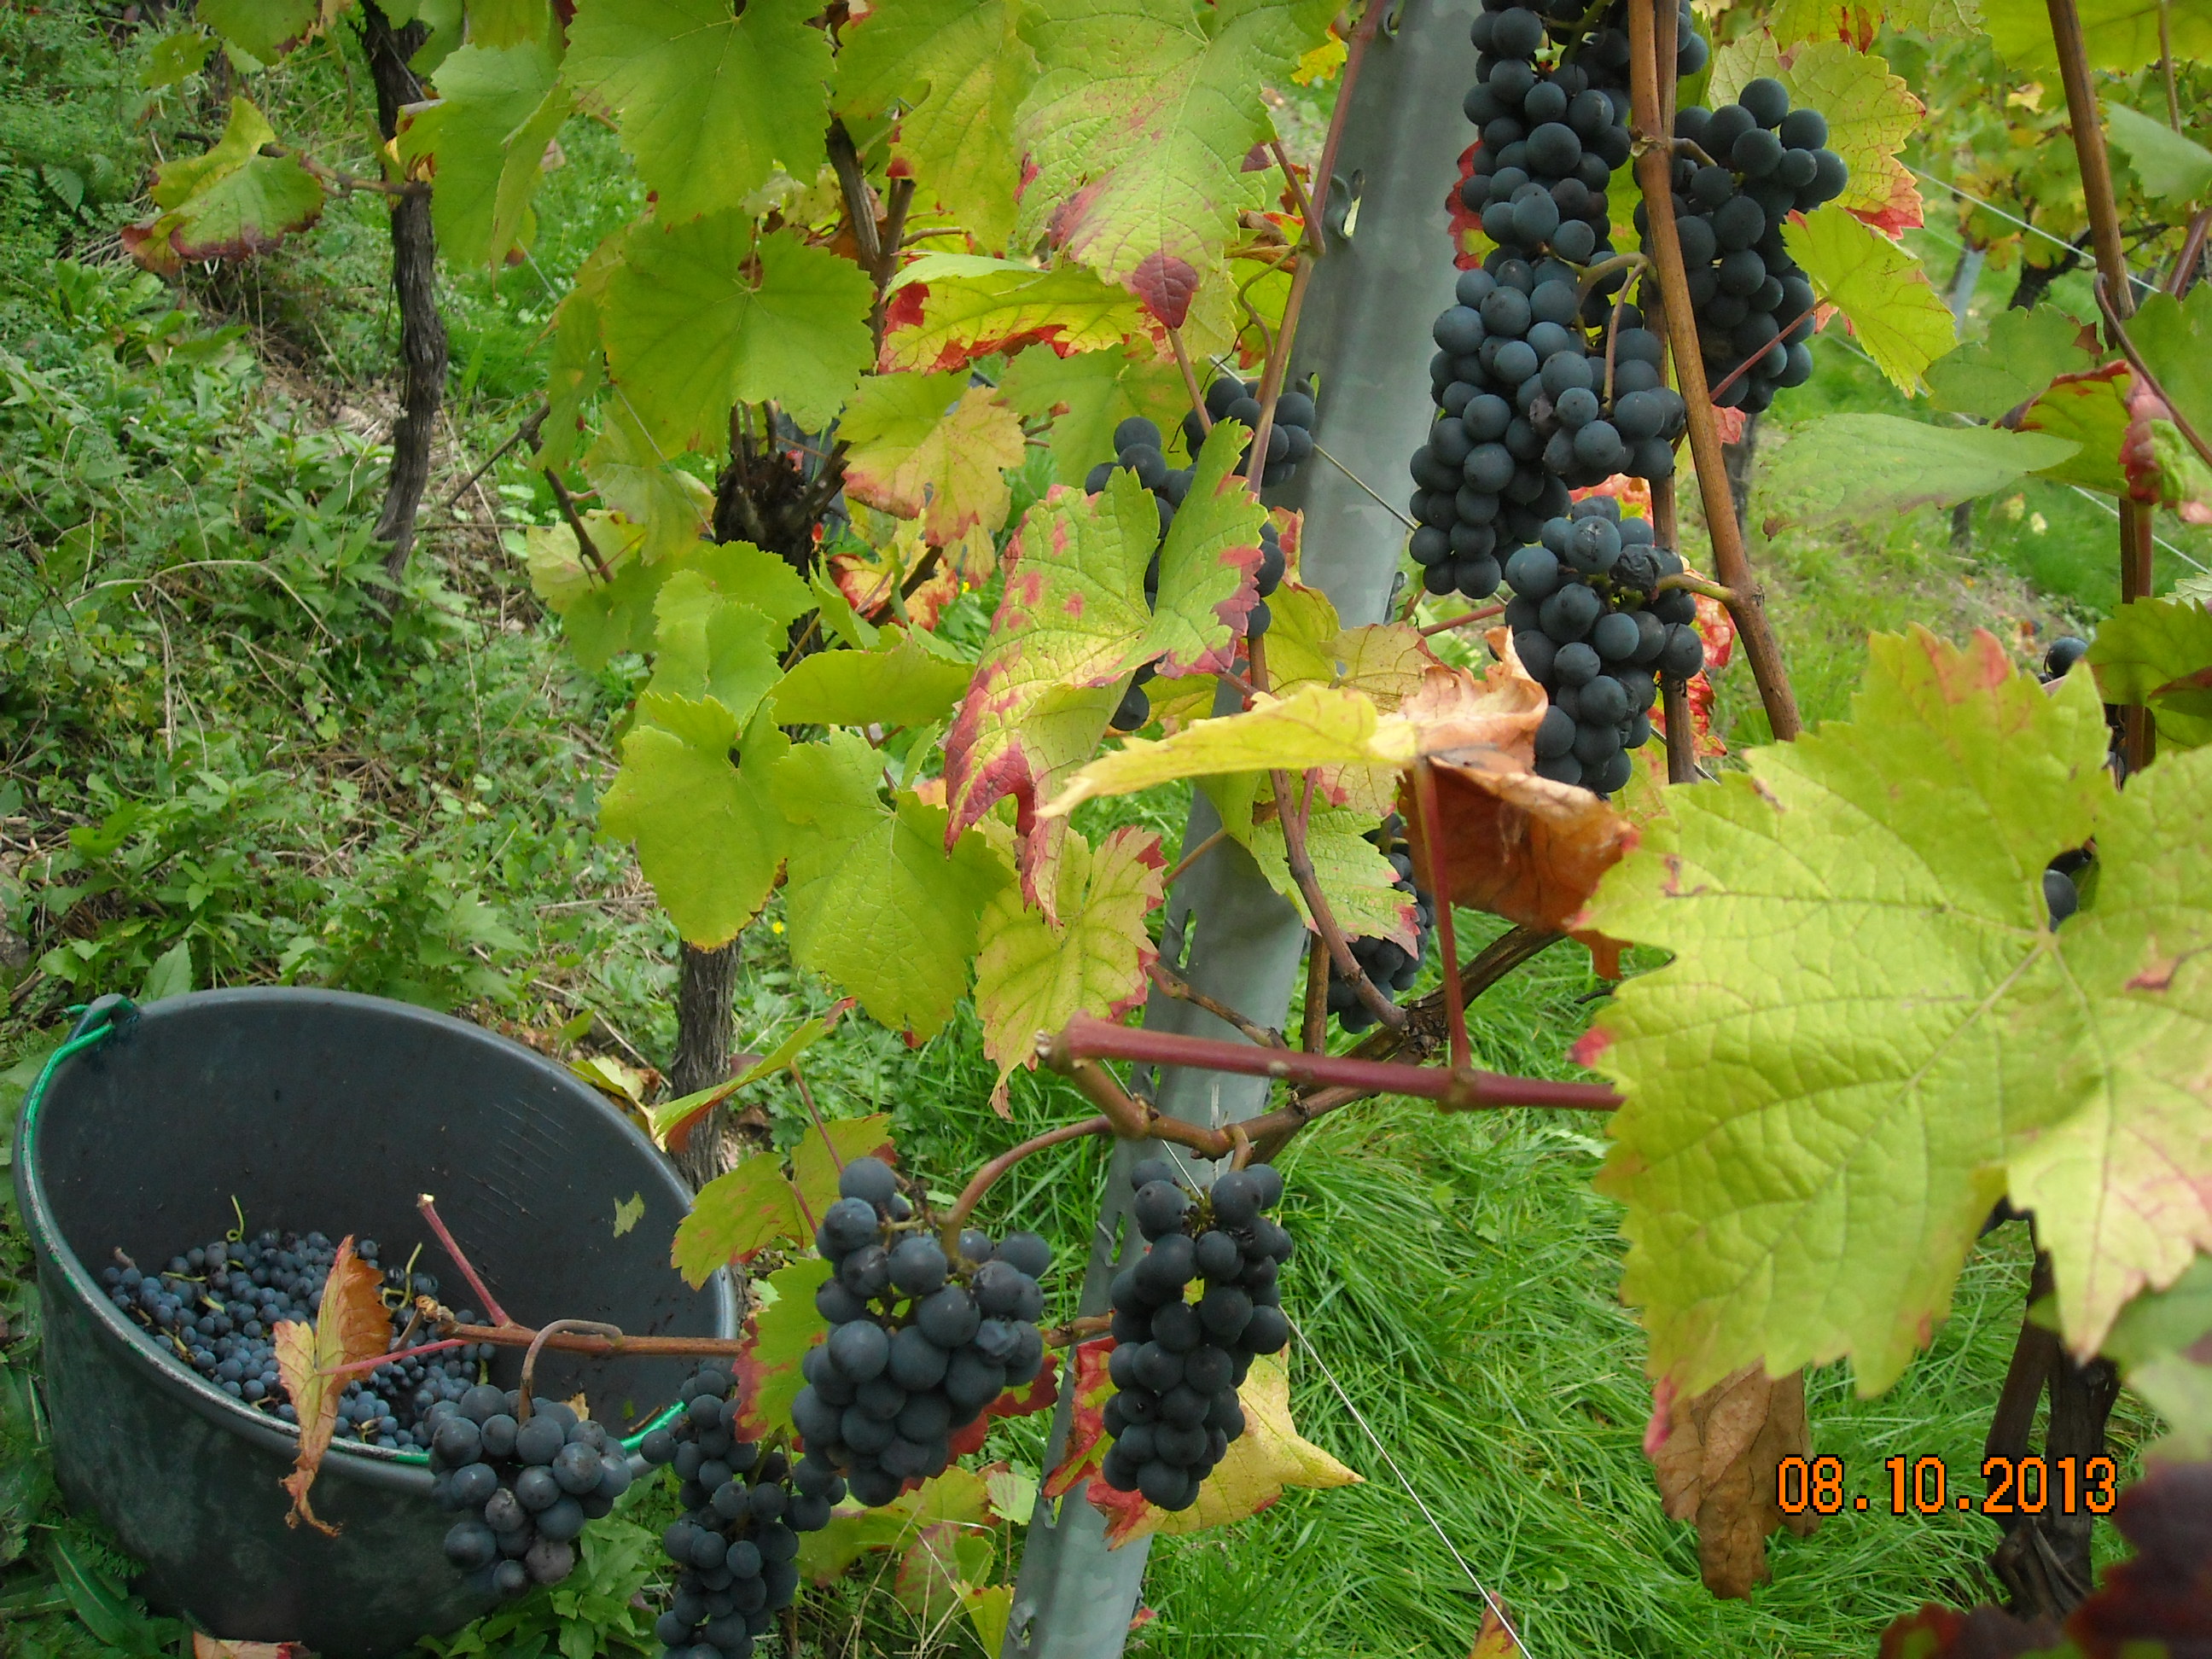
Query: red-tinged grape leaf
point(1268, 1456)
point(710, 102)
point(819, 1157)
point(350, 1324)
point(1138, 127)
point(2159, 1604)
point(945, 1560)
point(933, 448)
point(707, 834)
point(1040, 1393)
point(1856, 924)
point(484, 138)
point(902, 683)
point(884, 900)
point(1880, 289)
point(1986, 1633)
point(948, 309)
point(669, 1123)
point(2024, 352)
point(776, 1340)
point(2162, 1342)
point(1034, 974)
point(630, 476)
point(2121, 35)
point(1719, 1467)
point(1072, 625)
point(958, 1497)
point(230, 202)
point(208, 1647)
point(2090, 410)
point(1792, 20)
point(1861, 466)
point(736, 1216)
point(704, 313)
point(1086, 1431)
point(2174, 338)
point(959, 69)
point(1495, 1639)
point(873, 582)
point(1089, 393)
point(1870, 113)
point(263, 29)
point(2154, 651)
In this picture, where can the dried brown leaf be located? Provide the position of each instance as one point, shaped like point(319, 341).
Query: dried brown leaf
point(350, 1324)
point(1718, 1466)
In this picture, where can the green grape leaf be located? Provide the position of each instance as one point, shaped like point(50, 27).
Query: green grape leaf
point(1870, 114)
point(1033, 974)
point(875, 902)
point(672, 505)
point(711, 101)
point(263, 29)
point(1139, 126)
point(175, 58)
point(2159, 652)
point(2122, 35)
point(960, 69)
point(1355, 877)
point(508, 22)
point(708, 836)
point(496, 110)
point(230, 202)
point(902, 683)
point(708, 644)
point(702, 315)
point(945, 310)
point(1089, 393)
point(1852, 922)
point(600, 619)
point(735, 1217)
point(1855, 466)
point(959, 1496)
point(2163, 1344)
point(2024, 352)
point(576, 367)
point(2171, 168)
point(779, 1336)
point(933, 448)
point(1879, 287)
point(2090, 410)
point(839, 617)
point(1072, 625)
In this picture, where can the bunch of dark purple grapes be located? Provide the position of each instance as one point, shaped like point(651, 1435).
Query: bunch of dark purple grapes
point(526, 1483)
point(1137, 447)
point(1593, 630)
point(1389, 965)
point(919, 1343)
point(1763, 160)
point(736, 1545)
point(1178, 1358)
point(1289, 443)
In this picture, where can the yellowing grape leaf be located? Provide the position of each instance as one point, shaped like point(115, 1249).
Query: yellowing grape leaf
point(1268, 1456)
point(1879, 287)
point(1870, 113)
point(350, 1324)
point(1855, 466)
point(484, 135)
point(1388, 662)
point(2090, 410)
point(960, 70)
point(1072, 626)
point(631, 476)
point(777, 1339)
point(2158, 652)
point(2024, 352)
point(1719, 1465)
point(1792, 20)
point(505, 22)
point(710, 645)
point(2122, 35)
point(734, 1217)
point(1865, 996)
point(1088, 394)
point(1034, 974)
point(948, 309)
point(959, 1497)
point(883, 900)
point(818, 1158)
point(899, 685)
point(1358, 880)
point(230, 202)
point(933, 448)
point(711, 101)
point(1139, 126)
point(703, 314)
point(708, 836)
point(945, 1560)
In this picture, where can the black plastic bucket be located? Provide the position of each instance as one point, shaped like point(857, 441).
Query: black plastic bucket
point(318, 1109)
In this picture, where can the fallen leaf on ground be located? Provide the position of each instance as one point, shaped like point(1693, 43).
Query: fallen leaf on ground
point(1718, 1466)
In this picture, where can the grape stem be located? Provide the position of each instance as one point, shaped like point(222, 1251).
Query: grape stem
point(584, 544)
point(1314, 1038)
point(537, 1347)
point(1594, 274)
point(955, 1219)
point(1310, 231)
point(1194, 855)
point(1653, 165)
point(1744, 368)
point(1190, 381)
point(1693, 584)
point(1317, 907)
point(1077, 1330)
point(1461, 621)
point(2135, 362)
point(376, 1361)
point(1183, 990)
point(1440, 889)
point(429, 1206)
point(1691, 146)
point(602, 1341)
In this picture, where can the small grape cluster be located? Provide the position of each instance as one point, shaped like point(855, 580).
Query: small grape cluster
point(1177, 1361)
point(1389, 965)
point(1591, 630)
point(2062, 893)
point(1533, 404)
point(1290, 441)
point(525, 1482)
point(1753, 305)
point(918, 1343)
point(736, 1546)
point(216, 1308)
point(1137, 447)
